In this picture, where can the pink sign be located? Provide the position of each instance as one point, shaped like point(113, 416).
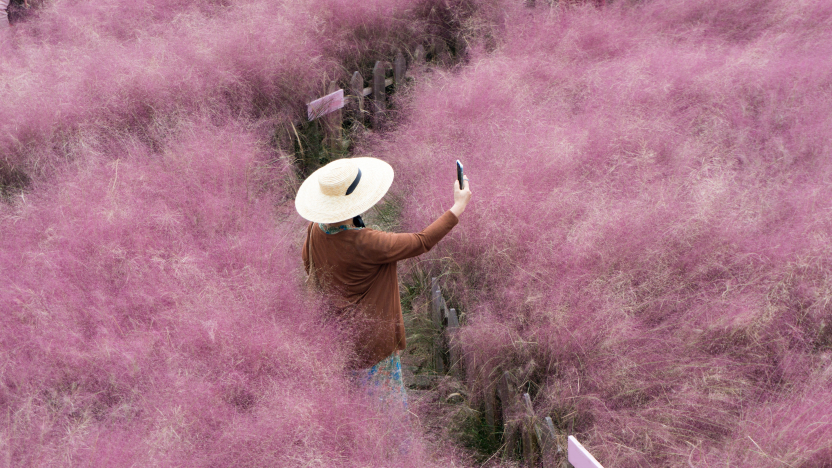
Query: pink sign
point(578, 456)
point(329, 103)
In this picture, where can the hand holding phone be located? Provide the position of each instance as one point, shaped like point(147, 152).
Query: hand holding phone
point(462, 195)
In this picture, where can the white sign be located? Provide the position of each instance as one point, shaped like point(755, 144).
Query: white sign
point(579, 457)
point(329, 103)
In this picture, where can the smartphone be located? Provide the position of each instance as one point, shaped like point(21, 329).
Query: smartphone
point(459, 175)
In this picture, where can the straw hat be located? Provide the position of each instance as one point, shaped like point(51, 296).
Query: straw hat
point(343, 189)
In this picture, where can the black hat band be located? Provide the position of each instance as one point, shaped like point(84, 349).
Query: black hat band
point(354, 183)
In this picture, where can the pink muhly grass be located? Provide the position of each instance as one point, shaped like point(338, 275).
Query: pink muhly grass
point(645, 249)
point(154, 310)
point(155, 316)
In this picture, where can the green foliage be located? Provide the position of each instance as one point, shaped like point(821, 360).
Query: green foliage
point(420, 330)
point(385, 215)
point(310, 146)
point(471, 429)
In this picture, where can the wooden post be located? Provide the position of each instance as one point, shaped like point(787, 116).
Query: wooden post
point(510, 428)
point(436, 317)
point(550, 431)
point(399, 70)
point(504, 393)
point(419, 55)
point(528, 446)
point(435, 302)
point(333, 124)
point(549, 444)
point(510, 431)
point(379, 96)
point(453, 319)
point(454, 354)
point(528, 432)
point(491, 410)
point(357, 90)
point(527, 402)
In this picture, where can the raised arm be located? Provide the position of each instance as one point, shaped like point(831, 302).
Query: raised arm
point(384, 247)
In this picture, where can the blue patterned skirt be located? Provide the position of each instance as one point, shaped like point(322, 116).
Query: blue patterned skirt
point(384, 381)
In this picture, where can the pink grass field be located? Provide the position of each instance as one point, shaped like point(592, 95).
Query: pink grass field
point(647, 250)
point(648, 246)
point(153, 305)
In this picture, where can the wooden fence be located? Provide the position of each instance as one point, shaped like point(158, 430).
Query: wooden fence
point(369, 103)
point(523, 430)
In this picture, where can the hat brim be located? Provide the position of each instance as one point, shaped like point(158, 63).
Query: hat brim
point(315, 206)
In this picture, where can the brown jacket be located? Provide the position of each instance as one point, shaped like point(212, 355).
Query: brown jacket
point(358, 266)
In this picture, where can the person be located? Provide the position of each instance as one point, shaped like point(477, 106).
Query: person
point(356, 266)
